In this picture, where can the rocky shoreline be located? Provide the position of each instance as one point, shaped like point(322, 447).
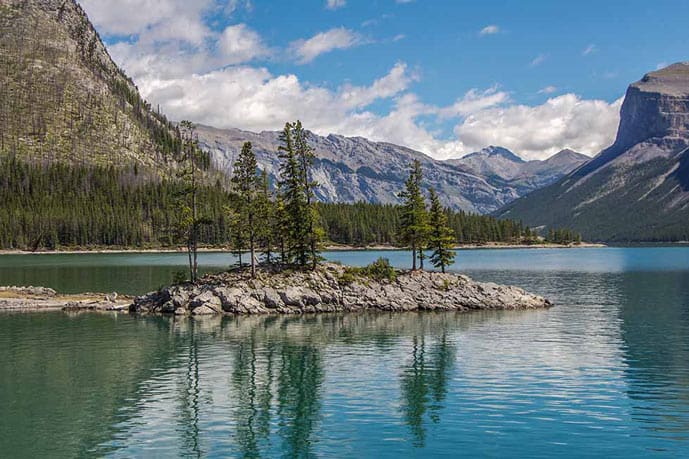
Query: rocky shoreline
point(332, 288)
point(36, 299)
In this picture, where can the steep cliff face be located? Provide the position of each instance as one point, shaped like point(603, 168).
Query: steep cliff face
point(63, 98)
point(636, 189)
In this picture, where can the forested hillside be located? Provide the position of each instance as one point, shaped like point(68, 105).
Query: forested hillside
point(63, 98)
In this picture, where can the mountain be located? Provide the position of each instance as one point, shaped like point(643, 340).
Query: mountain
point(492, 161)
point(638, 188)
point(524, 176)
point(63, 98)
point(351, 169)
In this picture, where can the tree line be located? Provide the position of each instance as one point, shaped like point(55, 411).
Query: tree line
point(48, 205)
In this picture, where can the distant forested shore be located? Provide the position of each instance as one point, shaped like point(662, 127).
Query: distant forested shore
point(51, 206)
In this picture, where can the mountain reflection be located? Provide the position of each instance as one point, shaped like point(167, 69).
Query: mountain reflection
point(655, 329)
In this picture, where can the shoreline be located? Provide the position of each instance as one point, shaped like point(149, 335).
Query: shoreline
point(327, 248)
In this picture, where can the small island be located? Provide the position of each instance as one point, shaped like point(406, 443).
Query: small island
point(332, 288)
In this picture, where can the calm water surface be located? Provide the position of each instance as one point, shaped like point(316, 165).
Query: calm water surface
point(603, 374)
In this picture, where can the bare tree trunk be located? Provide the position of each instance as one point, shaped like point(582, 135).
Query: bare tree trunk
point(413, 257)
point(194, 218)
point(191, 265)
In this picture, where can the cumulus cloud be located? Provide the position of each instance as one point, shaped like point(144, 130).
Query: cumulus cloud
point(541, 131)
point(490, 30)
point(211, 76)
point(335, 4)
point(240, 44)
point(150, 17)
point(324, 42)
point(474, 101)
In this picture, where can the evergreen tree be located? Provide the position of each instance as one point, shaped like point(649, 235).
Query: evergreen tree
point(441, 238)
point(305, 155)
point(246, 184)
point(192, 160)
point(414, 219)
point(297, 193)
point(267, 229)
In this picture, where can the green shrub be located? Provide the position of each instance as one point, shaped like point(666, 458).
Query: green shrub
point(349, 275)
point(381, 270)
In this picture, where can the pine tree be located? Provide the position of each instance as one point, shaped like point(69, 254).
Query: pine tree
point(305, 155)
point(441, 238)
point(246, 185)
point(192, 160)
point(267, 209)
point(294, 196)
point(297, 193)
point(414, 218)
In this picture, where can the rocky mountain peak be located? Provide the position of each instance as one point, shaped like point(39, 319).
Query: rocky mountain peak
point(671, 80)
point(657, 106)
point(493, 151)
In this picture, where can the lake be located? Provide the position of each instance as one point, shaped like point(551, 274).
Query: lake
point(605, 373)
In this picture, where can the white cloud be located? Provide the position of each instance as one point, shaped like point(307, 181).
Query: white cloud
point(538, 60)
point(474, 101)
point(335, 4)
point(133, 17)
point(537, 132)
point(196, 72)
point(590, 49)
point(398, 37)
point(240, 44)
point(548, 90)
point(490, 30)
point(324, 42)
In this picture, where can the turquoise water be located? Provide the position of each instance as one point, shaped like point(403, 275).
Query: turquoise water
point(605, 373)
point(133, 273)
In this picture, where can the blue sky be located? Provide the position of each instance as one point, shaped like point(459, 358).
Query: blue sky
point(444, 77)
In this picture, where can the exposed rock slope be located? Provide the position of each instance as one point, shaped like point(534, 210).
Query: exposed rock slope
point(638, 188)
point(351, 169)
point(329, 289)
point(523, 176)
point(63, 98)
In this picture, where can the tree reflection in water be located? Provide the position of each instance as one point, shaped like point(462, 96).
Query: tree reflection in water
point(423, 384)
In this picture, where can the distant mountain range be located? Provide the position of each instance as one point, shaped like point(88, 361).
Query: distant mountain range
point(350, 169)
point(638, 188)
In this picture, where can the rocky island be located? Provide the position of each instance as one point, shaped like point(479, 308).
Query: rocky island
point(332, 288)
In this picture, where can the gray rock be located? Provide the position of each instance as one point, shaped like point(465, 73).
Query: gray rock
point(207, 299)
point(272, 299)
point(292, 296)
point(203, 311)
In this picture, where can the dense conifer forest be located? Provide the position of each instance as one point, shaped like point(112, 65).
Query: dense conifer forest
point(57, 205)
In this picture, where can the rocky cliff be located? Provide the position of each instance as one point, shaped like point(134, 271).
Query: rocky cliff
point(638, 188)
point(332, 289)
